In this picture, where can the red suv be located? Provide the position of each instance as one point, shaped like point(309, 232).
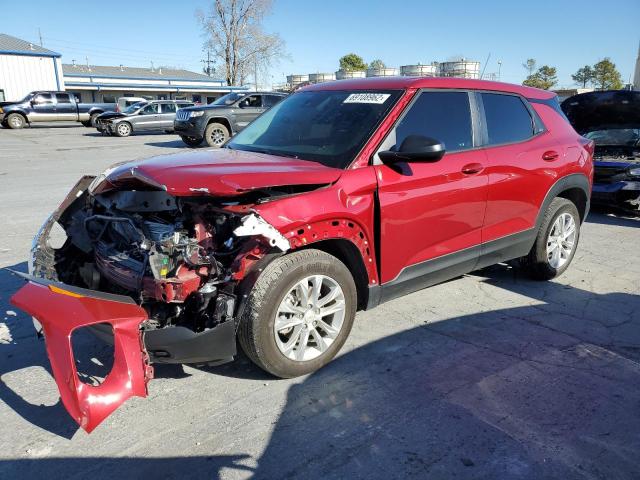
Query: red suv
point(341, 197)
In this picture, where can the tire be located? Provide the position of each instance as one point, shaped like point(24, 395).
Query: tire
point(123, 129)
point(16, 121)
point(92, 119)
point(191, 141)
point(216, 134)
point(542, 263)
point(273, 290)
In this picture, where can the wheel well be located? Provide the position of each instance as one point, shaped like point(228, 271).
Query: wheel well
point(221, 120)
point(579, 199)
point(348, 253)
point(22, 114)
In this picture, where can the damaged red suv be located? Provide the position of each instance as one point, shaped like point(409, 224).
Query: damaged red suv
point(343, 196)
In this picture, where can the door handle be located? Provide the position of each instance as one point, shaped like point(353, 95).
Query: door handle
point(472, 168)
point(550, 156)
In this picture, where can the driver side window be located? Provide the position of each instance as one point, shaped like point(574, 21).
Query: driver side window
point(43, 99)
point(151, 109)
point(444, 116)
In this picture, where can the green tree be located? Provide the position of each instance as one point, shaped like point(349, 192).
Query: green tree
point(377, 64)
point(530, 65)
point(606, 76)
point(545, 78)
point(583, 76)
point(351, 62)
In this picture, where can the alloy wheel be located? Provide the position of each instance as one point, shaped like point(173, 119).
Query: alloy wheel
point(218, 137)
point(309, 318)
point(561, 240)
point(124, 129)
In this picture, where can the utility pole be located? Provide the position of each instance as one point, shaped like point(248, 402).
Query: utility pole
point(499, 69)
point(208, 62)
point(40, 35)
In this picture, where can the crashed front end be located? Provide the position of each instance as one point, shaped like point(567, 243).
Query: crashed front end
point(160, 277)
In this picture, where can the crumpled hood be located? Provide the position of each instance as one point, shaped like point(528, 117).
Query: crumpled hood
point(111, 115)
point(222, 172)
point(592, 111)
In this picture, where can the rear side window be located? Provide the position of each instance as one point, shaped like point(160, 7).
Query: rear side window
point(508, 119)
point(63, 98)
point(168, 108)
point(445, 116)
point(271, 100)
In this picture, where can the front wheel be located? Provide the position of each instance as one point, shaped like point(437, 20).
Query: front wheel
point(93, 119)
point(216, 134)
point(191, 141)
point(556, 243)
point(16, 121)
point(123, 129)
point(299, 313)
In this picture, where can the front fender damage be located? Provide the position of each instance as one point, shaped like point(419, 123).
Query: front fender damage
point(61, 309)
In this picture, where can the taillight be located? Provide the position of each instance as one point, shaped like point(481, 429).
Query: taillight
point(588, 145)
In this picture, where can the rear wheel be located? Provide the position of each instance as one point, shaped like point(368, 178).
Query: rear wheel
point(191, 141)
point(556, 243)
point(16, 121)
point(216, 134)
point(123, 129)
point(299, 313)
point(92, 119)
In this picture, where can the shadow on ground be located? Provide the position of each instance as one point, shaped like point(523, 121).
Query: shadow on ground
point(604, 216)
point(547, 390)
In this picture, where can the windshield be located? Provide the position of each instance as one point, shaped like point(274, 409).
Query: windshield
point(329, 127)
point(228, 99)
point(629, 137)
point(133, 108)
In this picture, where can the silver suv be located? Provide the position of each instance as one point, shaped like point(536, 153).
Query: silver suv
point(155, 115)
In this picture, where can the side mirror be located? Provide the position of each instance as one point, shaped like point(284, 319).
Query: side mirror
point(415, 148)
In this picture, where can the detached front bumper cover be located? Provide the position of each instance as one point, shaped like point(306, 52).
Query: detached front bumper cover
point(61, 309)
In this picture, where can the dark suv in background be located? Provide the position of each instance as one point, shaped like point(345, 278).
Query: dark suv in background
point(217, 122)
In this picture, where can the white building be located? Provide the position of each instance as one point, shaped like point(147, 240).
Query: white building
point(25, 67)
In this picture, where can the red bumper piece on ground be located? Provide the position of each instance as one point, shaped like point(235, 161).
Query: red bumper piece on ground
point(61, 309)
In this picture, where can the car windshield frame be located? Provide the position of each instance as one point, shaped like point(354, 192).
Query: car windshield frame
point(229, 98)
point(615, 137)
point(316, 113)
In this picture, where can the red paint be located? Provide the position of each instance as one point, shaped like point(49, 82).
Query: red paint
point(60, 315)
point(222, 172)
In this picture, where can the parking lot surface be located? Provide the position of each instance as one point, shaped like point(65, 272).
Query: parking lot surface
point(487, 376)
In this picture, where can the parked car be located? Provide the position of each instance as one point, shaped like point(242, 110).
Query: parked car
point(50, 107)
point(612, 120)
point(341, 197)
point(217, 122)
point(156, 115)
point(125, 102)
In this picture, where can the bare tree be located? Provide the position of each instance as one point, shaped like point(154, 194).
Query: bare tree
point(234, 34)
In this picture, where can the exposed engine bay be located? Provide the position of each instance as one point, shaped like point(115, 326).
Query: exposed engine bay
point(180, 258)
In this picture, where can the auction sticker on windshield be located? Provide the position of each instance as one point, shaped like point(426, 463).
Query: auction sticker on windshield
point(377, 98)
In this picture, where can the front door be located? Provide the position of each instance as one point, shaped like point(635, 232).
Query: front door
point(147, 118)
point(248, 110)
point(431, 214)
point(42, 108)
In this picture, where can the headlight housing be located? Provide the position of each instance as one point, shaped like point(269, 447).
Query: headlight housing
point(196, 113)
point(634, 172)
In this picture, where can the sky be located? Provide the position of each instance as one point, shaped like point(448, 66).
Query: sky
point(566, 34)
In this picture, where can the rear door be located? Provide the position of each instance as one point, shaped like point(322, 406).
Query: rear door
point(65, 108)
point(431, 214)
point(167, 115)
point(522, 162)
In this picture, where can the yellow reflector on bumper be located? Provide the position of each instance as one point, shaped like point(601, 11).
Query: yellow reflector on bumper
point(55, 289)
